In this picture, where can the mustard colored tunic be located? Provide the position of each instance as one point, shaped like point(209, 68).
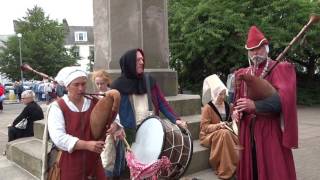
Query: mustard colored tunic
point(223, 155)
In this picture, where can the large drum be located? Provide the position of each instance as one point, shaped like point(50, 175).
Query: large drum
point(156, 138)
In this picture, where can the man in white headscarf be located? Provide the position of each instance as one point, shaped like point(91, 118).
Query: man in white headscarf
point(214, 130)
point(69, 129)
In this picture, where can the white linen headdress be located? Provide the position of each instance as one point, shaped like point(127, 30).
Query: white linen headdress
point(68, 74)
point(212, 86)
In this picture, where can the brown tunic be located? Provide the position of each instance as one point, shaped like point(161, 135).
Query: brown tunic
point(223, 155)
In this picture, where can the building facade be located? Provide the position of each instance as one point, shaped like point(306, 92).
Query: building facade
point(81, 39)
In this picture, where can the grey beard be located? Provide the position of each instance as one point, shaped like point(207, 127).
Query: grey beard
point(258, 59)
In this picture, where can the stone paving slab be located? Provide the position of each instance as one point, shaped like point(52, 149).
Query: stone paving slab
point(307, 159)
point(10, 171)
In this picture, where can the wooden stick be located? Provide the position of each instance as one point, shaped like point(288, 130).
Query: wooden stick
point(127, 144)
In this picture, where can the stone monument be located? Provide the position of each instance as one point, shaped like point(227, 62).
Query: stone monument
point(120, 25)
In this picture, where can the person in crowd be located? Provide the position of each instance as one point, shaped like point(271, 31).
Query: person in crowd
point(69, 129)
point(42, 95)
point(18, 88)
point(134, 104)
point(268, 125)
point(47, 90)
point(60, 89)
point(36, 89)
point(22, 126)
point(15, 86)
point(215, 131)
point(102, 81)
point(2, 96)
point(53, 94)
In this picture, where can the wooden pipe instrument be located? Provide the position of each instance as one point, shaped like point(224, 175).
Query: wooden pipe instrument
point(312, 20)
point(27, 67)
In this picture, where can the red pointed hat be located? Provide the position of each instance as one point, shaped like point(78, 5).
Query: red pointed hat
point(255, 38)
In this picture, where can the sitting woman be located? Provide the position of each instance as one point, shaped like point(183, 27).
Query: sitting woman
point(22, 126)
point(214, 131)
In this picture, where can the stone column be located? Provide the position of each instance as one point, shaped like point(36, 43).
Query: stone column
point(120, 25)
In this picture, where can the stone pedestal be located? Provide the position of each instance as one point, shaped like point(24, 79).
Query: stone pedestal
point(120, 25)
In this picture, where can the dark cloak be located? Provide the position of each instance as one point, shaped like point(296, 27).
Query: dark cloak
point(130, 82)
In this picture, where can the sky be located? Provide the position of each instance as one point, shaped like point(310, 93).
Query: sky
point(77, 12)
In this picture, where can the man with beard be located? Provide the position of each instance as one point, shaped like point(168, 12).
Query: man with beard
point(134, 101)
point(268, 127)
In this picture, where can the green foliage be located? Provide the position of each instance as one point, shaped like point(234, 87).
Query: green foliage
point(42, 46)
point(208, 36)
point(308, 90)
point(205, 38)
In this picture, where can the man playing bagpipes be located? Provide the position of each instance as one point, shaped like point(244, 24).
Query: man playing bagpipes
point(268, 125)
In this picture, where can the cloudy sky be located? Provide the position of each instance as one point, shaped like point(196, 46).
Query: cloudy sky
point(77, 12)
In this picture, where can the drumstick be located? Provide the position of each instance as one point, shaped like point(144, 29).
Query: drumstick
point(127, 144)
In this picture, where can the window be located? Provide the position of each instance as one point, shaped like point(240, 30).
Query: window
point(80, 36)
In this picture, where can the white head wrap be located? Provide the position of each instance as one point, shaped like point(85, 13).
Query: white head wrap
point(68, 74)
point(212, 86)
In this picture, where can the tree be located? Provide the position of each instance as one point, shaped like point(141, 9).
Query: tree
point(208, 36)
point(42, 46)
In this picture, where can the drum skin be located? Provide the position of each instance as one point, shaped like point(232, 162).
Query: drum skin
point(104, 113)
point(177, 145)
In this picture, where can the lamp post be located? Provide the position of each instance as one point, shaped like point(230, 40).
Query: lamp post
point(21, 72)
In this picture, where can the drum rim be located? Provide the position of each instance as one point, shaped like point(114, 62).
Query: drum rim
point(164, 138)
point(191, 152)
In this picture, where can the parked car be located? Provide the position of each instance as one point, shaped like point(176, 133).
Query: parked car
point(8, 86)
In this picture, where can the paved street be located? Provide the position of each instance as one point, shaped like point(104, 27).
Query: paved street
point(306, 157)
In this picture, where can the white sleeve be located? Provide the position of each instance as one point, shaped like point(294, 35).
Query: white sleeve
point(117, 120)
point(57, 131)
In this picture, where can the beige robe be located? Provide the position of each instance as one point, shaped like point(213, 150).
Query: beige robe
point(223, 155)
